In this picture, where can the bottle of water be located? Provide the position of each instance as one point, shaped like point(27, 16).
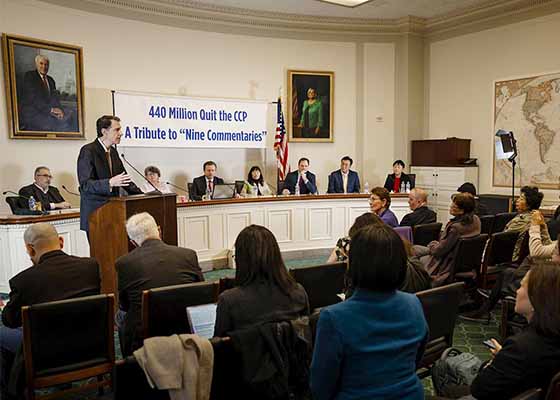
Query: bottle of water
point(297, 189)
point(254, 190)
point(403, 188)
point(407, 187)
point(32, 203)
point(366, 187)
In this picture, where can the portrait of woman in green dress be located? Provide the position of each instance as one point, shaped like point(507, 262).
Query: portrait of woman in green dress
point(312, 115)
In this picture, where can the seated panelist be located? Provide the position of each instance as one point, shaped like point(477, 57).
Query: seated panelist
point(344, 180)
point(301, 179)
point(48, 196)
point(255, 184)
point(153, 175)
point(397, 178)
point(204, 185)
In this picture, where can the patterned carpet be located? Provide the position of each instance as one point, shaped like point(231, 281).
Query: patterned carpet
point(468, 336)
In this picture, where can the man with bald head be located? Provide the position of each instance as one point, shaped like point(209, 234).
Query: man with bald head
point(421, 214)
point(54, 276)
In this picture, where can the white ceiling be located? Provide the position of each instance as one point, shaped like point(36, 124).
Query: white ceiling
point(373, 9)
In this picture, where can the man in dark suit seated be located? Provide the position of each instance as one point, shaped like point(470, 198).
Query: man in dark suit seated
point(152, 264)
point(40, 104)
point(344, 180)
point(204, 185)
point(301, 181)
point(101, 172)
point(54, 275)
point(48, 196)
point(421, 214)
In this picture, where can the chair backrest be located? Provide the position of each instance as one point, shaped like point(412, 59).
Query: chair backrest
point(440, 306)
point(281, 186)
point(68, 335)
point(501, 220)
point(468, 256)
point(14, 203)
point(164, 310)
point(404, 232)
point(486, 224)
point(322, 283)
point(412, 180)
point(425, 233)
point(226, 283)
point(239, 186)
point(500, 248)
point(190, 189)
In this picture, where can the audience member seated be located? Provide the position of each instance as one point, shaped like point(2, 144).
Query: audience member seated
point(479, 209)
point(152, 264)
point(153, 174)
point(47, 197)
point(301, 181)
point(340, 252)
point(54, 276)
point(379, 203)
point(395, 181)
point(203, 186)
point(255, 184)
point(509, 280)
point(421, 214)
point(530, 358)
point(367, 347)
point(344, 180)
point(528, 201)
point(438, 256)
point(265, 291)
point(417, 278)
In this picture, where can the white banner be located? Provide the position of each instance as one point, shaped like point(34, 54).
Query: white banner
point(176, 121)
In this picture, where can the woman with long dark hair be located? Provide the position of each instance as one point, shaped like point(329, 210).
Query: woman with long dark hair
point(265, 291)
point(255, 184)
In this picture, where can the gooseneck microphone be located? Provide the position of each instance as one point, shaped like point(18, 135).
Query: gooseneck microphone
point(139, 173)
point(68, 191)
point(16, 194)
point(177, 187)
point(23, 211)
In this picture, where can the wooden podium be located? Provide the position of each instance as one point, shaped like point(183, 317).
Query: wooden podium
point(107, 229)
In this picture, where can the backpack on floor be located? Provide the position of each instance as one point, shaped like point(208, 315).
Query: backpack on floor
point(454, 369)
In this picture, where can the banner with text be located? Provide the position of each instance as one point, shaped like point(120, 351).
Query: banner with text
point(176, 121)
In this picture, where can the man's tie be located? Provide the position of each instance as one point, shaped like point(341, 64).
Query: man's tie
point(210, 186)
point(108, 155)
point(45, 83)
point(301, 184)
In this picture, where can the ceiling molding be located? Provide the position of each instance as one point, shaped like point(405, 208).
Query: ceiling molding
point(190, 14)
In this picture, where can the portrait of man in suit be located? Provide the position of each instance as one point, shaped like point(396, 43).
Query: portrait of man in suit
point(45, 86)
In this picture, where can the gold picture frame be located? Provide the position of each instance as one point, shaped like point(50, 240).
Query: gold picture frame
point(44, 88)
point(310, 106)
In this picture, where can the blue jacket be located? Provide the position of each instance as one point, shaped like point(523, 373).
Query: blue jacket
point(367, 347)
point(336, 185)
point(291, 181)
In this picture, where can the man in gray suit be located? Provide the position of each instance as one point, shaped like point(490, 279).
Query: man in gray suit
point(152, 264)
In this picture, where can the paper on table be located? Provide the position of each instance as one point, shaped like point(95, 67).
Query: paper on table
point(202, 319)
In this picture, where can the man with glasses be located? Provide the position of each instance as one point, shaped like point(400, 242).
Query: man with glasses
point(44, 194)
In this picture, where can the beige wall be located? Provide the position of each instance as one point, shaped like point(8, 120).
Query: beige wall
point(130, 55)
point(461, 75)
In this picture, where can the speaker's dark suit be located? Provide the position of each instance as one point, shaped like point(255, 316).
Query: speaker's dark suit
point(58, 276)
point(94, 175)
point(152, 265)
point(199, 187)
point(52, 195)
point(336, 185)
point(292, 179)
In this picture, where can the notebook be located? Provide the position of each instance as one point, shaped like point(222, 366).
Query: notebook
point(202, 319)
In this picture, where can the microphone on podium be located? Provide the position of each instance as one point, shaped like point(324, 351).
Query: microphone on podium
point(68, 191)
point(156, 190)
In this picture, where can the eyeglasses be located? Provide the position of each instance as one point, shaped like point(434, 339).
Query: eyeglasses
point(46, 176)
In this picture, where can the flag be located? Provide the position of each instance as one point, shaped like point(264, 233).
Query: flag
point(281, 145)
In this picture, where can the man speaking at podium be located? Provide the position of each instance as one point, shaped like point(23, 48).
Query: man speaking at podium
point(101, 173)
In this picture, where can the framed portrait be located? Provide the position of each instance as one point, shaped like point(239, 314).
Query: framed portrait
point(44, 88)
point(310, 106)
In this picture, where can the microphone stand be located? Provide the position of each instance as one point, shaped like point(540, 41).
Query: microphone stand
point(139, 173)
point(68, 191)
point(177, 187)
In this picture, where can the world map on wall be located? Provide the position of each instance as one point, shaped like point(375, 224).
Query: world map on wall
point(530, 108)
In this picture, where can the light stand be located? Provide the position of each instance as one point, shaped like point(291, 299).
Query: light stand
point(509, 149)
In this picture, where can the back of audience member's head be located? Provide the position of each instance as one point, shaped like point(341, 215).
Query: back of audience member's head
point(258, 259)
point(467, 187)
point(41, 238)
point(544, 295)
point(532, 196)
point(365, 219)
point(377, 259)
point(141, 227)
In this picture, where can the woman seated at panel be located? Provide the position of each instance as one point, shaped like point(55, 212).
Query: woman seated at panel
point(153, 175)
point(398, 179)
point(265, 291)
point(530, 358)
point(439, 256)
point(379, 203)
point(255, 184)
point(368, 346)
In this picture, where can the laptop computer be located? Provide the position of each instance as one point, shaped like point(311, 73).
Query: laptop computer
point(223, 191)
